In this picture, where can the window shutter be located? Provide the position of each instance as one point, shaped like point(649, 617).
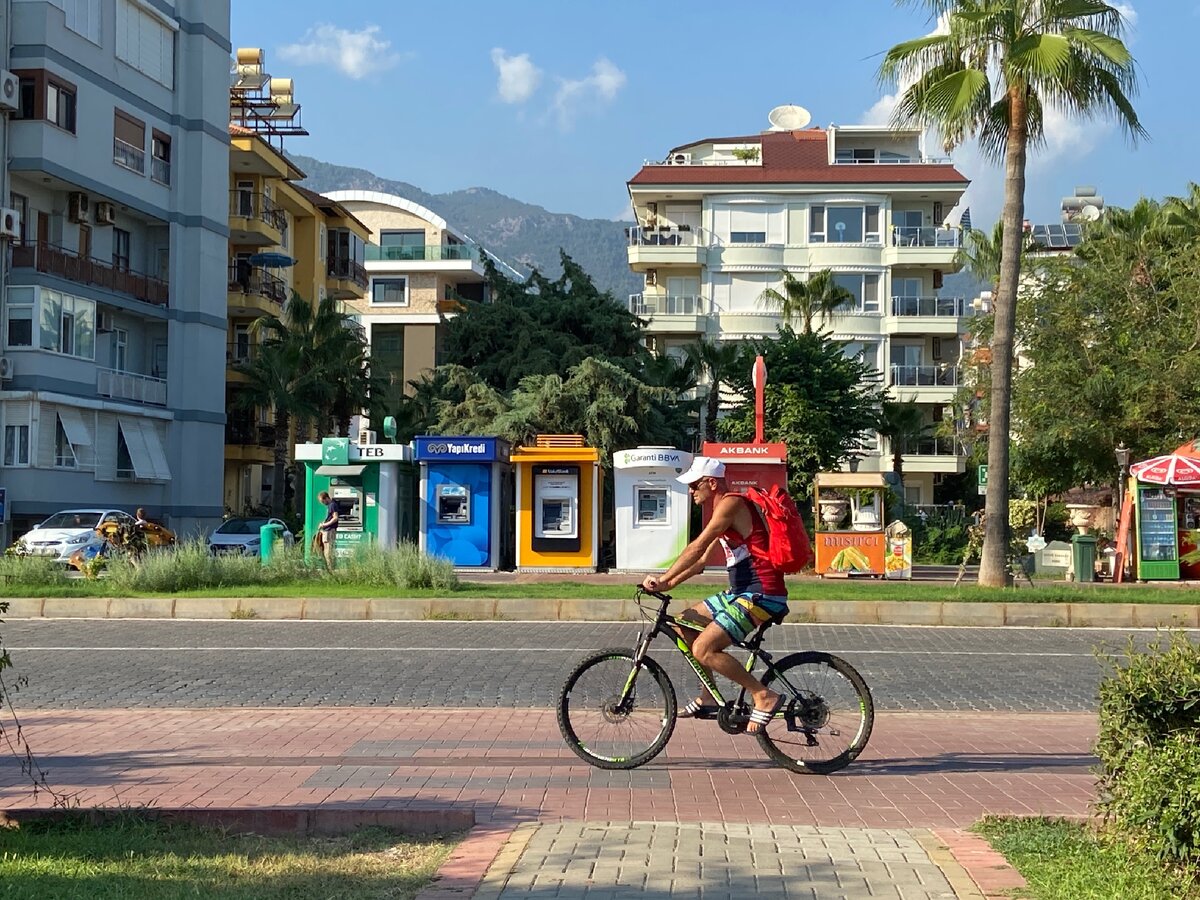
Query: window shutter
point(937, 279)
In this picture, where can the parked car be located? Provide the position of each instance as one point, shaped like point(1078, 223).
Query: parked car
point(63, 533)
point(241, 535)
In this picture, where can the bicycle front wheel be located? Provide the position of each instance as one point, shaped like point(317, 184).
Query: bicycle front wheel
point(614, 715)
point(826, 717)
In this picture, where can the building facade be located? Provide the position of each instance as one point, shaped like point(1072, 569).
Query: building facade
point(112, 389)
point(720, 220)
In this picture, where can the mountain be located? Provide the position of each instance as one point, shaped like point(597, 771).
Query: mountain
point(523, 235)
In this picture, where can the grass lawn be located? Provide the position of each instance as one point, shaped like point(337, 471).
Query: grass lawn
point(136, 857)
point(1065, 861)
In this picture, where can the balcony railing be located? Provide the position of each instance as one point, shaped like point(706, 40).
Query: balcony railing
point(934, 446)
point(160, 170)
point(254, 205)
point(896, 161)
point(928, 306)
point(925, 376)
point(668, 236)
point(666, 305)
point(131, 386)
point(240, 352)
point(250, 435)
point(347, 269)
point(926, 236)
point(129, 156)
point(70, 265)
point(256, 281)
point(422, 253)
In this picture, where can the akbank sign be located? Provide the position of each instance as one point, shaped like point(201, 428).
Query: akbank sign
point(460, 449)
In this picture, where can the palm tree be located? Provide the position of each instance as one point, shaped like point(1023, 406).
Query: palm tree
point(902, 423)
point(715, 362)
point(979, 255)
point(1066, 54)
point(1183, 213)
point(803, 301)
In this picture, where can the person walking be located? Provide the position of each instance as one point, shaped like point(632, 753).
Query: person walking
point(327, 530)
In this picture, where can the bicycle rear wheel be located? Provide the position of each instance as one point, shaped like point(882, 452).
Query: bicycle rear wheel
point(827, 714)
point(605, 731)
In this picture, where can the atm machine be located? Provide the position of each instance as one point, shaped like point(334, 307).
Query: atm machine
point(558, 495)
point(465, 500)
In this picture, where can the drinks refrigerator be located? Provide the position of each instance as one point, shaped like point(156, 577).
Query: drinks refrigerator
point(1157, 548)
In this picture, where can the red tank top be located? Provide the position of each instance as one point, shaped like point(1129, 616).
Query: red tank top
point(748, 561)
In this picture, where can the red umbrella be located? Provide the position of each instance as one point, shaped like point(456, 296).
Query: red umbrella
point(1191, 448)
point(1174, 468)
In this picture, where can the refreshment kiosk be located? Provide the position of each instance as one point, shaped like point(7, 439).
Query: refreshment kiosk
point(465, 500)
point(372, 484)
point(850, 538)
point(558, 505)
point(652, 508)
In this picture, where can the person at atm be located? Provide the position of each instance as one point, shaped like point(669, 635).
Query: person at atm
point(327, 530)
point(756, 592)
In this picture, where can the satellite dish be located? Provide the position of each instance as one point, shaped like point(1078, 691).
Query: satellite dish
point(1090, 213)
point(788, 118)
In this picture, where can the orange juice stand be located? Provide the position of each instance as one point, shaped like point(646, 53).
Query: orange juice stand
point(849, 534)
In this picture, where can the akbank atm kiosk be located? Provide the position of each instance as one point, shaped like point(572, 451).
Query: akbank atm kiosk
point(466, 500)
point(373, 486)
point(652, 508)
point(558, 505)
point(760, 465)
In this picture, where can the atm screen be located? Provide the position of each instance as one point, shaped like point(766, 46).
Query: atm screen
point(349, 500)
point(556, 517)
point(453, 504)
point(556, 504)
point(652, 506)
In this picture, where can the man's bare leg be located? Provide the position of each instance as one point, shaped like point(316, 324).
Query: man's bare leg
point(701, 616)
point(709, 650)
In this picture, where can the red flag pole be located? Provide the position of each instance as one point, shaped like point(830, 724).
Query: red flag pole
point(759, 376)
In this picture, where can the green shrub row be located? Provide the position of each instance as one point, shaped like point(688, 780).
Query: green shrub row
point(1149, 750)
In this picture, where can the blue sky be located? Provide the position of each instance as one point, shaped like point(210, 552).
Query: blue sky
point(559, 103)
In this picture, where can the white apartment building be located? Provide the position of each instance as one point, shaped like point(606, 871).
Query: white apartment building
point(720, 219)
point(116, 140)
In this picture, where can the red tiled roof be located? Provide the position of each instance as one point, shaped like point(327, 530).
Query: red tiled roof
point(796, 157)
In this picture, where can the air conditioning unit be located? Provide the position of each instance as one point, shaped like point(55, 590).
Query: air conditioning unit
point(365, 437)
point(6, 368)
point(679, 159)
point(78, 206)
point(104, 320)
point(10, 91)
point(106, 213)
point(10, 223)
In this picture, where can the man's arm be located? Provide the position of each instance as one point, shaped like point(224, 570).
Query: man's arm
point(691, 560)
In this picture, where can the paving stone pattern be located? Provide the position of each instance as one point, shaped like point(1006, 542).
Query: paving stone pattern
point(717, 861)
point(132, 663)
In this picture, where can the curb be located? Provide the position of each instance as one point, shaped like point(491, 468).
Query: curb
point(395, 609)
point(993, 877)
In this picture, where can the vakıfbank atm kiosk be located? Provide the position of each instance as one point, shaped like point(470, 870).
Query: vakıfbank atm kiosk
point(652, 507)
point(466, 493)
point(373, 486)
point(558, 505)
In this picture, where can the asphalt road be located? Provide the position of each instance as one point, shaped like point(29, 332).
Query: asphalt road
point(86, 664)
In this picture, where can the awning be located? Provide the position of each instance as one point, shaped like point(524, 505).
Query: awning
point(340, 471)
point(145, 449)
point(74, 427)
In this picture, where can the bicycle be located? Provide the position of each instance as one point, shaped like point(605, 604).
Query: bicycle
point(617, 708)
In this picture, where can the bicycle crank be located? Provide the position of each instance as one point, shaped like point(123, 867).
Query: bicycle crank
point(733, 720)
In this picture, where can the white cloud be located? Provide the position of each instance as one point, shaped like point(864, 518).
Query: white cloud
point(518, 76)
point(356, 54)
point(575, 95)
point(1128, 13)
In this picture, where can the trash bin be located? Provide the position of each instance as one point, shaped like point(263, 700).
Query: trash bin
point(1083, 556)
point(267, 536)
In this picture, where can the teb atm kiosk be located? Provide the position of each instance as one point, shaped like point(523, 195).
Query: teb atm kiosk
point(558, 505)
point(466, 498)
point(652, 508)
point(372, 484)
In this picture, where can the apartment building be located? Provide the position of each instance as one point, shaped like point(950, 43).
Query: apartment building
point(419, 268)
point(720, 220)
point(283, 238)
point(111, 383)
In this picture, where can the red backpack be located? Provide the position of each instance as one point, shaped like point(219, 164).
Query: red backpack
point(788, 545)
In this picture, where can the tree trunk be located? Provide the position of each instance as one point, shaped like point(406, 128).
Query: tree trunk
point(993, 559)
point(280, 452)
point(713, 405)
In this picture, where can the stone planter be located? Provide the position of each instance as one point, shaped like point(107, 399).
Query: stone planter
point(1081, 515)
point(833, 512)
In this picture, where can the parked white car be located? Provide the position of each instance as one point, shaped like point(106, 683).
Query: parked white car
point(72, 529)
point(241, 535)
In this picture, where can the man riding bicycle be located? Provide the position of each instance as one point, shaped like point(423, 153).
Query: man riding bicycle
point(756, 594)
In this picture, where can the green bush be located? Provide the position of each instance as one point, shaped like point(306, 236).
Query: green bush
point(401, 566)
point(1149, 749)
point(34, 571)
point(190, 566)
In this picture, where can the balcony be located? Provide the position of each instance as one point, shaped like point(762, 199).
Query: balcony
point(929, 306)
point(422, 252)
point(345, 278)
point(926, 236)
point(250, 435)
point(253, 289)
point(129, 156)
point(670, 313)
point(667, 245)
point(932, 446)
point(160, 171)
point(68, 264)
point(924, 376)
point(254, 220)
point(120, 385)
point(935, 454)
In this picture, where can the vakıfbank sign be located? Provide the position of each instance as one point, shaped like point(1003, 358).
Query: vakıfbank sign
point(652, 457)
point(460, 449)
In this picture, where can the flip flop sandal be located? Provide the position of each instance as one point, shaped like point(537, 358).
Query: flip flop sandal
point(698, 710)
point(762, 717)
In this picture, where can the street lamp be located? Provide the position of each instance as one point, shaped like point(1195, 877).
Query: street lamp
point(853, 462)
point(1122, 454)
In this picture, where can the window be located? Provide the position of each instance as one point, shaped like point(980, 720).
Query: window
point(20, 317)
point(120, 254)
point(747, 226)
point(20, 203)
point(747, 237)
point(120, 349)
point(82, 17)
point(160, 163)
point(146, 41)
point(402, 244)
point(854, 155)
point(390, 291)
point(129, 142)
point(27, 108)
point(124, 460)
point(865, 289)
point(66, 324)
point(64, 453)
point(60, 104)
point(16, 445)
point(844, 224)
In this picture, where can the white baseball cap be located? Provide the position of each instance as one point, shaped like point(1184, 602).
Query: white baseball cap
point(703, 467)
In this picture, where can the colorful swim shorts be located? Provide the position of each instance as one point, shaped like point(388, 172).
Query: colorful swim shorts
point(740, 614)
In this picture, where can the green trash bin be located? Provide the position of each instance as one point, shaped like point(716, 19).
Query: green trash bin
point(1083, 556)
point(267, 536)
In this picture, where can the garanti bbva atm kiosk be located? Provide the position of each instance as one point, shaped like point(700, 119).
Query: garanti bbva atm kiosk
point(372, 484)
point(558, 505)
point(652, 507)
point(466, 495)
